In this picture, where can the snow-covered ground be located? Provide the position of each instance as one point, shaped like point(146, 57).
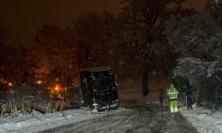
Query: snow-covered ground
point(36, 121)
point(204, 120)
point(136, 119)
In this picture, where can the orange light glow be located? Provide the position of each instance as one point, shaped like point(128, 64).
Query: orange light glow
point(39, 82)
point(58, 88)
point(10, 84)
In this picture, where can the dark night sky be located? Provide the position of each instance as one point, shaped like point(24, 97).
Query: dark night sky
point(20, 19)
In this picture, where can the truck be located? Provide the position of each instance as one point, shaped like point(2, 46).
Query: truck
point(99, 88)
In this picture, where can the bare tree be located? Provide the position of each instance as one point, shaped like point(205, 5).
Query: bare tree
point(143, 34)
point(53, 54)
point(95, 34)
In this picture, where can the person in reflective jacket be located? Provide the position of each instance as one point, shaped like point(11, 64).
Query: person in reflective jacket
point(173, 95)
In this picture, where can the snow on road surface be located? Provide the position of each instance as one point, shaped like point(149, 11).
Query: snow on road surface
point(36, 122)
point(133, 119)
point(137, 119)
point(204, 120)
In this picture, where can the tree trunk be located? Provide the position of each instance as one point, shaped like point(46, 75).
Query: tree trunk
point(145, 79)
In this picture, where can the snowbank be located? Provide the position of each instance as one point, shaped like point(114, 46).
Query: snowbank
point(204, 120)
point(36, 122)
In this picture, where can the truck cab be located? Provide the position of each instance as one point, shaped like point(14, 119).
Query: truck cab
point(99, 89)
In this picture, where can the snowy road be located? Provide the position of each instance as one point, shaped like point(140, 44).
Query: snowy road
point(140, 119)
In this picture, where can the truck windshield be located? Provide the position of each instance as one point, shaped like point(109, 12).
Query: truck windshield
point(104, 82)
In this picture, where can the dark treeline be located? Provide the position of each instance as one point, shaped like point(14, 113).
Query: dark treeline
point(133, 43)
point(145, 39)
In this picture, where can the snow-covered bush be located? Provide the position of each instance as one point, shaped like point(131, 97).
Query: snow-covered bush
point(12, 107)
point(199, 40)
point(24, 99)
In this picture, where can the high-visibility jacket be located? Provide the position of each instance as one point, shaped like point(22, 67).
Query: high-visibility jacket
point(172, 92)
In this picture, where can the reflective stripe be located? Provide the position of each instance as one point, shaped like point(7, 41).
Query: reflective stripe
point(114, 105)
point(94, 104)
point(173, 99)
point(172, 93)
